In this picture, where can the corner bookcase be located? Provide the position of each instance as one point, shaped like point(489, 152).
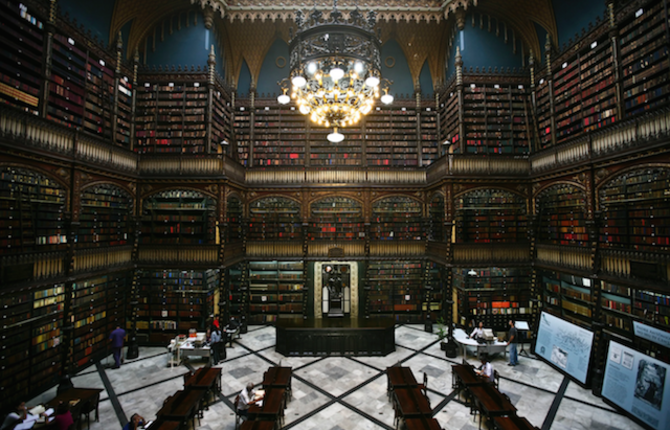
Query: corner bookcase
point(178, 217)
point(395, 290)
point(568, 296)
point(562, 217)
point(490, 216)
point(275, 218)
point(493, 295)
point(397, 218)
point(105, 218)
point(173, 301)
point(276, 290)
point(336, 218)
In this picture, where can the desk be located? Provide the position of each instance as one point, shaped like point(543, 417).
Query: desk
point(179, 347)
point(182, 406)
point(463, 375)
point(491, 347)
point(398, 376)
point(278, 377)
point(411, 403)
point(512, 422)
point(490, 402)
point(272, 409)
point(422, 424)
point(207, 379)
point(87, 401)
point(258, 425)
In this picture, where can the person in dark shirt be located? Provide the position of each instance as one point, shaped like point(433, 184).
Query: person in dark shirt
point(215, 345)
point(117, 337)
point(136, 421)
point(512, 339)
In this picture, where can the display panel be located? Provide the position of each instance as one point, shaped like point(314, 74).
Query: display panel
point(638, 384)
point(565, 346)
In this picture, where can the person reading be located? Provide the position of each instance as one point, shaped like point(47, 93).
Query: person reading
point(486, 369)
point(478, 333)
point(246, 398)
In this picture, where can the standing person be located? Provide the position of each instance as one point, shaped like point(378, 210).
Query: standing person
point(512, 336)
point(117, 337)
point(215, 344)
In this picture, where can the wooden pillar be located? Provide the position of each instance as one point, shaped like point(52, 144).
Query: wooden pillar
point(211, 65)
point(134, 292)
point(133, 100)
point(459, 92)
point(50, 27)
point(550, 89)
point(117, 79)
point(616, 64)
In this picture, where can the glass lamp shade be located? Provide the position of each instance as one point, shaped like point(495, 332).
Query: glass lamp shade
point(335, 137)
point(284, 99)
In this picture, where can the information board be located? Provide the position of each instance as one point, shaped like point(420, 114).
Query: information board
point(564, 345)
point(638, 384)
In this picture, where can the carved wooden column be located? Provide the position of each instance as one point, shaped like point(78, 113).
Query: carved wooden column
point(252, 125)
point(134, 293)
point(50, 27)
point(616, 65)
point(133, 100)
point(211, 65)
point(459, 92)
point(117, 79)
point(448, 289)
point(550, 89)
point(419, 147)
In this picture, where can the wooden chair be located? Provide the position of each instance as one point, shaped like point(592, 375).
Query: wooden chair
point(424, 387)
point(238, 417)
point(496, 379)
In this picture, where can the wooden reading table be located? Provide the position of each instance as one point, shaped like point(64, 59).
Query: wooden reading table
point(400, 377)
point(163, 424)
point(512, 422)
point(411, 403)
point(272, 409)
point(490, 402)
point(82, 401)
point(182, 406)
point(422, 423)
point(258, 425)
point(207, 379)
point(278, 377)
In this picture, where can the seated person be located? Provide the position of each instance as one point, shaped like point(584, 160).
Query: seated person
point(232, 329)
point(478, 332)
point(486, 369)
point(245, 399)
point(63, 418)
point(16, 416)
point(136, 421)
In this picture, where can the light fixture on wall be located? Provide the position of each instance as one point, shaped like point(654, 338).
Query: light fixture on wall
point(335, 67)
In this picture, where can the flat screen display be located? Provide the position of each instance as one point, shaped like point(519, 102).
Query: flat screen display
point(564, 345)
point(638, 384)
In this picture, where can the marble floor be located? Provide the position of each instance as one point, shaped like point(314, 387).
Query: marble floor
point(342, 393)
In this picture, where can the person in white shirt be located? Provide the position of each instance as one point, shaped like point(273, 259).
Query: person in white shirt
point(13, 418)
point(245, 399)
point(478, 332)
point(486, 369)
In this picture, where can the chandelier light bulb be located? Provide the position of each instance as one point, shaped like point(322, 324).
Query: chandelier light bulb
point(284, 98)
point(336, 73)
point(372, 81)
point(387, 99)
point(358, 67)
point(311, 68)
point(299, 81)
point(304, 109)
point(335, 137)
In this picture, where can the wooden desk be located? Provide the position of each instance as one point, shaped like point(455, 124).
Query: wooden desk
point(411, 403)
point(272, 409)
point(182, 406)
point(207, 379)
point(258, 425)
point(87, 401)
point(490, 402)
point(398, 377)
point(463, 375)
point(278, 377)
point(423, 423)
point(512, 422)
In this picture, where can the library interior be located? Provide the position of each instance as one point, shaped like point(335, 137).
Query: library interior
point(347, 190)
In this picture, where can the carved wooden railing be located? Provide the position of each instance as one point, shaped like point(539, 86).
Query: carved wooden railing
point(44, 264)
point(488, 253)
point(344, 248)
point(391, 248)
point(262, 249)
point(190, 255)
point(574, 257)
point(617, 263)
point(334, 176)
point(97, 258)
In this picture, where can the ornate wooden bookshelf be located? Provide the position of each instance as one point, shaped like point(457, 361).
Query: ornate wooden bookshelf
point(436, 218)
point(238, 286)
point(275, 290)
point(275, 218)
point(173, 301)
point(490, 216)
point(234, 221)
point(397, 218)
point(178, 217)
point(568, 296)
point(562, 218)
point(636, 211)
point(336, 218)
point(395, 290)
point(21, 35)
point(105, 218)
point(493, 295)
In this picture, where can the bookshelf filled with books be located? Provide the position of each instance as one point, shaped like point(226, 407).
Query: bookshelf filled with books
point(124, 116)
point(598, 90)
point(493, 295)
point(178, 217)
point(274, 218)
point(347, 153)
point(644, 58)
point(434, 290)
point(279, 136)
point(32, 211)
point(395, 290)
point(562, 218)
point(495, 118)
point(22, 37)
point(275, 290)
point(543, 112)
point(238, 291)
point(174, 301)
point(67, 85)
point(171, 115)
point(234, 221)
point(429, 141)
point(391, 136)
point(105, 216)
point(242, 127)
point(397, 218)
point(436, 219)
point(449, 123)
point(98, 306)
point(336, 218)
point(490, 216)
point(636, 211)
point(568, 296)
point(32, 330)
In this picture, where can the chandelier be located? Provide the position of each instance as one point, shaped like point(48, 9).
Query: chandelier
point(335, 66)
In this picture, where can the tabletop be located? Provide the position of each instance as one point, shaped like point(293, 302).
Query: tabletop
point(277, 377)
point(401, 377)
point(181, 404)
point(205, 377)
point(466, 374)
point(411, 402)
point(492, 400)
point(423, 423)
point(512, 422)
point(257, 425)
point(164, 425)
point(273, 402)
